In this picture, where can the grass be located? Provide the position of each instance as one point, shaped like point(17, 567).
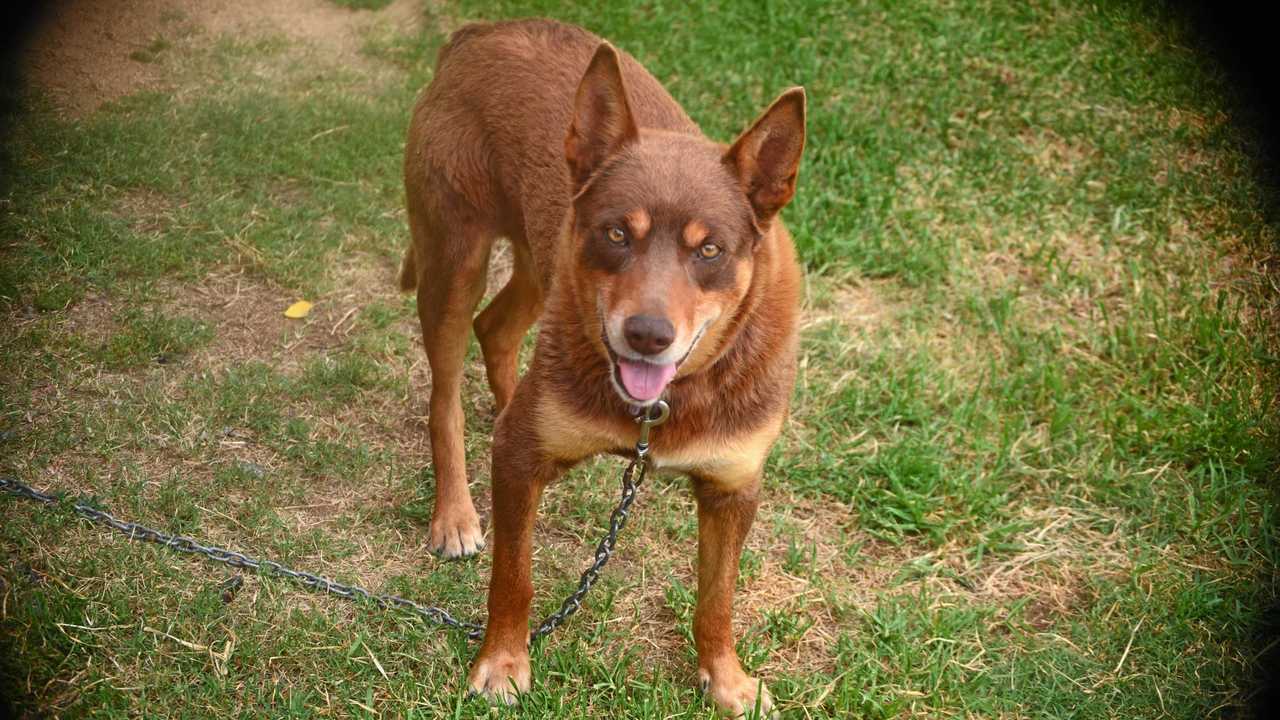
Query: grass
point(1031, 465)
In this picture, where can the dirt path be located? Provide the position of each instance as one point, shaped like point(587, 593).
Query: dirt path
point(87, 52)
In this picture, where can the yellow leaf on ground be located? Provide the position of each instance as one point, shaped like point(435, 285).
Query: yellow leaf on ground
point(298, 310)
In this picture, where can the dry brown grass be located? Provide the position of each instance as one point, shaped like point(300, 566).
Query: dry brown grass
point(1053, 154)
point(89, 52)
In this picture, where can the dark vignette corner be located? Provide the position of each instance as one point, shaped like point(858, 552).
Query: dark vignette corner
point(1240, 38)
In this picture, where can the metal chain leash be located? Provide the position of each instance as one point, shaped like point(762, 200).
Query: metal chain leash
point(631, 479)
point(617, 519)
point(181, 543)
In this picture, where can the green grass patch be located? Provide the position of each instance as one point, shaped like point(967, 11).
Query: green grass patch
point(362, 4)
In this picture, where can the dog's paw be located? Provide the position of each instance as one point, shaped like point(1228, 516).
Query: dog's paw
point(500, 676)
point(737, 693)
point(456, 533)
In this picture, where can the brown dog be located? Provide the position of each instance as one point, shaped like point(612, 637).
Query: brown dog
point(657, 264)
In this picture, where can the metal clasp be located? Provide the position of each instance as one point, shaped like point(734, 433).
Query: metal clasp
point(655, 415)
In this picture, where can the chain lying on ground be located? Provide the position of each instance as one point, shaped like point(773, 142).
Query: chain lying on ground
point(631, 479)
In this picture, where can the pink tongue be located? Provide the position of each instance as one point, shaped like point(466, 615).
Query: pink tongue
point(645, 381)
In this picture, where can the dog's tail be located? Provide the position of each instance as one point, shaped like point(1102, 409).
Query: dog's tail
point(408, 271)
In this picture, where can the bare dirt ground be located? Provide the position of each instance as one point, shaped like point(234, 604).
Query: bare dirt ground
point(84, 53)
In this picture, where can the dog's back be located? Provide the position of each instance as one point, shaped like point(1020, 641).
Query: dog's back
point(489, 131)
point(485, 158)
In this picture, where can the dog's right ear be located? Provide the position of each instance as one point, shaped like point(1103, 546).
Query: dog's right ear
point(602, 122)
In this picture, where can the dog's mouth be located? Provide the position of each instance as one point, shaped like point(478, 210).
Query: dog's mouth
point(642, 382)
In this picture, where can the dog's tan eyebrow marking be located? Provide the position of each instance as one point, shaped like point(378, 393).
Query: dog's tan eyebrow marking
point(694, 233)
point(639, 221)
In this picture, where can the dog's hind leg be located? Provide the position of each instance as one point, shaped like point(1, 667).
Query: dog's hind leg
point(451, 259)
point(502, 325)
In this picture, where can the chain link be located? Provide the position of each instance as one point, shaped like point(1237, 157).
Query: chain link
point(631, 479)
point(617, 520)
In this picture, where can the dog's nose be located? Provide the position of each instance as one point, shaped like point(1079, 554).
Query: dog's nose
point(648, 335)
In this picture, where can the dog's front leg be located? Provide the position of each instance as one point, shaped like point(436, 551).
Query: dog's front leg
point(725, 512)
point(520, 472)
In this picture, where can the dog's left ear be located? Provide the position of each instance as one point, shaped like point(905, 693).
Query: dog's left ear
point(602, 122)
point(766, 158)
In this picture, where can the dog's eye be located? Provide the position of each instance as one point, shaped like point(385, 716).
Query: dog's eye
point(709, 251)
point(616, 235)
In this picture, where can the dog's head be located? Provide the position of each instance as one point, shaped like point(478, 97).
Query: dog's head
point(667, 227)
